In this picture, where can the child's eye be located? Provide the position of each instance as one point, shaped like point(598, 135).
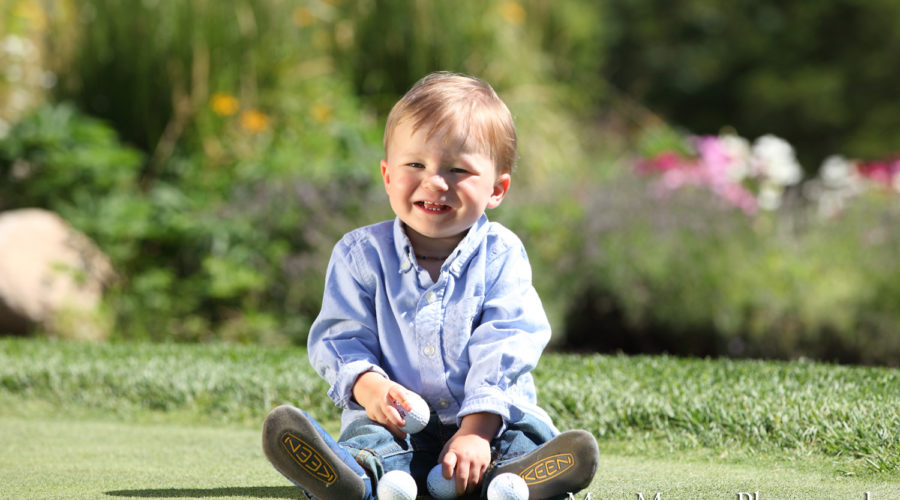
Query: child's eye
point(416, 165)
point(458, 170)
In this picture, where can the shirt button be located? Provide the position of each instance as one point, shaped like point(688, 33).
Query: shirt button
point(430, 297)
point(443, 404)
point(428, 351)
point(406, 265)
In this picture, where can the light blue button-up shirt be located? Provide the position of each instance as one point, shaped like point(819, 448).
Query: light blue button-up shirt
point(466, 344)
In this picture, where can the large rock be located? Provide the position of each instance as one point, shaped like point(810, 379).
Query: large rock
point(52, 277)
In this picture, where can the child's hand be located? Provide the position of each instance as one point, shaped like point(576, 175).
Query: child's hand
point(377, 394)
point(468, 453)
point(467, 456)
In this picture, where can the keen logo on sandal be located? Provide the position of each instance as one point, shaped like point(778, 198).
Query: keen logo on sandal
point(308, 458)
point(548, 468)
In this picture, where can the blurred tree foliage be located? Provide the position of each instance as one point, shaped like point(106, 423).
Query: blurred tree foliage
point(818, 74)
point(217, 150)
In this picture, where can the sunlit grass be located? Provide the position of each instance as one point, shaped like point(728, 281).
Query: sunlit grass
point(636, 404)
point(791, 408)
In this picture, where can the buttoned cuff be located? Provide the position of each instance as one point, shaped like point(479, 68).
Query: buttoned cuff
point(342, 390)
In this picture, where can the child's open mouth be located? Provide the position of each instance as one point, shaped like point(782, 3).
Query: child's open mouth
point(434, 208)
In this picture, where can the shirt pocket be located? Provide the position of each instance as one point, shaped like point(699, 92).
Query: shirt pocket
point(462, 317)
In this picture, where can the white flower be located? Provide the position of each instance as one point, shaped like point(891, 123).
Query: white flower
point(837, 172)
point(738, 149)
point(13, 45)
point(774, 158)
point(19, 99)
point(769, 197)
point(18, 47)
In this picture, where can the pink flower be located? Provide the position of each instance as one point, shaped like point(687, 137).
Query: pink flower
point(878, 171)
point(714, 156)
point(738, 196)
point(720, 165)
point(662, 162)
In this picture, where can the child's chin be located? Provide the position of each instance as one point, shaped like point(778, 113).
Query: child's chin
point(438, 234)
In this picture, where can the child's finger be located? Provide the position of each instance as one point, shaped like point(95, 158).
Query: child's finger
point(390, 419)
point(388, 416)
point(462, 477)
point(397, 393)
point(448, 465)
point(397, 396)
point(392, 412)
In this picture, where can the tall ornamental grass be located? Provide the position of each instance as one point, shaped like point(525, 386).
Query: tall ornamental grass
point(792, 410)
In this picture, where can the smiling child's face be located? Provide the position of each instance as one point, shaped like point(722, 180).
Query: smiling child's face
point(438, 187)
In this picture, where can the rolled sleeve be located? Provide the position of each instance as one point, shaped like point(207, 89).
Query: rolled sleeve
point(486, 400)
point(508, 342)
point(341, 391)
point(343, 341)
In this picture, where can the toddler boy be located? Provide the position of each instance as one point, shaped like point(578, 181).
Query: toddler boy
point(439, 302)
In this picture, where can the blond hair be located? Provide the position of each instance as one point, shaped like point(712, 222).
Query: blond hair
point(460, 108)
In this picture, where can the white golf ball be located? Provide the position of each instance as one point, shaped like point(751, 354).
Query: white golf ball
point(439, 487)
point(507, 486)
point(417, 417)
point(397, 485)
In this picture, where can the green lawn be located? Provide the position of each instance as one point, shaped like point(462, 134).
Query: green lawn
point(182, 421)
point(57, 457)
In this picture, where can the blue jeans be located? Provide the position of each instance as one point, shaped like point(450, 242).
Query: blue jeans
point(378, 451)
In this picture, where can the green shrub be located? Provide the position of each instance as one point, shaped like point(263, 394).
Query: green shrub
point(258, 152)
point(197, 256)
point(62, 160)
point(687, 274)
point(223, 226)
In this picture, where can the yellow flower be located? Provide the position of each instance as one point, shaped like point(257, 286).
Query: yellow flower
point(321, 113)
point(512, 12)
point(254, 121)
point(302, 17)
point(224, 104)
point(34, 14)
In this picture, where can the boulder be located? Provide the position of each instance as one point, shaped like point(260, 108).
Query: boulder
point(52, 277)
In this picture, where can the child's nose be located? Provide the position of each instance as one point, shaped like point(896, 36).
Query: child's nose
point(436, 182)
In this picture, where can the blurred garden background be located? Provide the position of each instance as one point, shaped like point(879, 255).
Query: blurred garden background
point(696, 178)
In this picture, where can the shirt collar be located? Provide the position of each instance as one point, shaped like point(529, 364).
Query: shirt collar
point(403, 247)
point(457, 259)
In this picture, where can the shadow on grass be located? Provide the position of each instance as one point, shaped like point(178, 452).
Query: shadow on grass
point(249, 492)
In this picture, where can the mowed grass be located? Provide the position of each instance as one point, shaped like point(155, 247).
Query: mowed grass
point(63, 457)
point(175, 421)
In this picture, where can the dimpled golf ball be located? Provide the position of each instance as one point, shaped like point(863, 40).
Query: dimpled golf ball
point(397, 485)
point(507, 486)
point(439, 487)
point(417, 417)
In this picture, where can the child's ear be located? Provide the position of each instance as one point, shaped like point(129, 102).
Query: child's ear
point(384, 173)
point(501, 187)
